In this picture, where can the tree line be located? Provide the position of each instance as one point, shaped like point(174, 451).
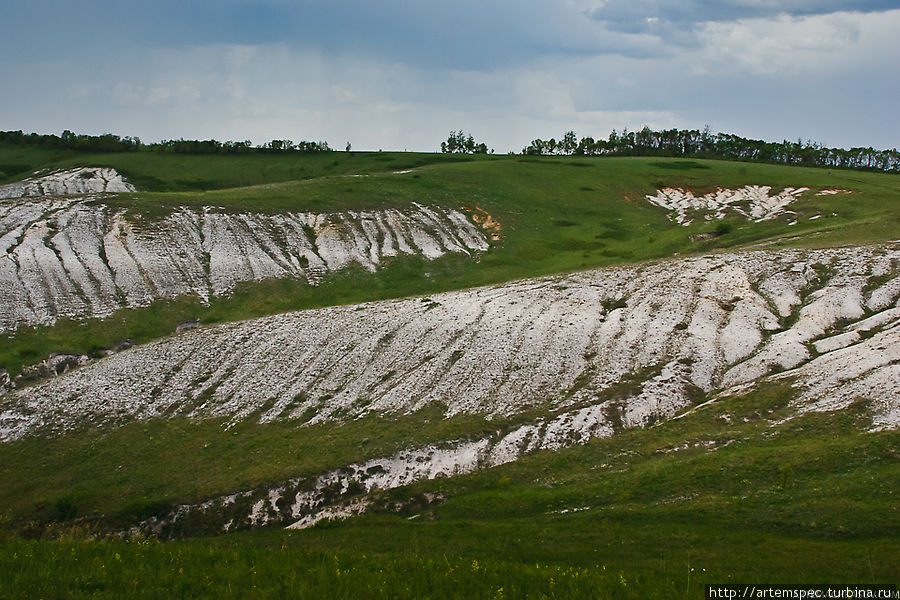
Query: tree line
point(112, 143)
point(70, 141)
point(690, 143)
point(245, 147)
point(694, 143)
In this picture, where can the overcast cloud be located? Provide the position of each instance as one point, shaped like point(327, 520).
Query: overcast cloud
point(646, 15)
point(400, 74)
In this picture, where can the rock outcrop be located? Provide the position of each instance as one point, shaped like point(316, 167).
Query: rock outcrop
point(605, 349)
point(63, 253)
point(72, 182)
point(752, 202)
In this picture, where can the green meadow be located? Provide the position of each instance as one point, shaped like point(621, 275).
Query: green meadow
point(721, 495)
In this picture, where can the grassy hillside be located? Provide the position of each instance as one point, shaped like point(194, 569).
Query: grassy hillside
point(557, 215)
point(157, 171)
point(724, 494)
point(731, 492)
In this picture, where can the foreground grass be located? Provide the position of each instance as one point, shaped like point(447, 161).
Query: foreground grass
point(279, 566)
point(810, 500)
point(625, 560)
point(721, 495)
point(87, 476)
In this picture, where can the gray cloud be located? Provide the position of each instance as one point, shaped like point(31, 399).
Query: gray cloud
point(464, 34)
point(677, 20)
point(401, 74)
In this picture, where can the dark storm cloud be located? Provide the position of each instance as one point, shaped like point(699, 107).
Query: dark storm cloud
point(464, 34)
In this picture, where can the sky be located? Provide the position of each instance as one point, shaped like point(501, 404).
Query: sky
point(402, 74)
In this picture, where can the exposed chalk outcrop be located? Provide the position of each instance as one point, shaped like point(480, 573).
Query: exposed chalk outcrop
point(301, 503)
point(665, 331)
point(71, 182)
point(65, 254)
point(867, 369)
point(753, 202)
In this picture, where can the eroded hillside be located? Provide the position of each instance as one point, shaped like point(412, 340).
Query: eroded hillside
point(600, 350)
point(63, 253)
point(536, 364)
point(597, 351)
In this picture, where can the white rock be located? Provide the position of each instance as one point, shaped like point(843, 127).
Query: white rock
point(72, 182)
point(72, 257)
point(751, 202)
point(571, 340)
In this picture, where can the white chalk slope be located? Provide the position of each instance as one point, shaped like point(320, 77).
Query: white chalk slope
point(73, 182)
point(63, 254)
point(752, 202)
point(673, 328)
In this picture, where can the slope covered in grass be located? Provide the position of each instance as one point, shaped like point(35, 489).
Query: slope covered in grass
point(157, 171)
point(728, 493)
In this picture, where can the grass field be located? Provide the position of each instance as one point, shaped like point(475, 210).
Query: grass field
point(558, 215)
point(721, 495)
point(87, 475)
point(155, 171)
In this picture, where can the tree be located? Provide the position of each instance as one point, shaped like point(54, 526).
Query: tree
point(569, 143)
point(462, 143)
point(535, 148)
